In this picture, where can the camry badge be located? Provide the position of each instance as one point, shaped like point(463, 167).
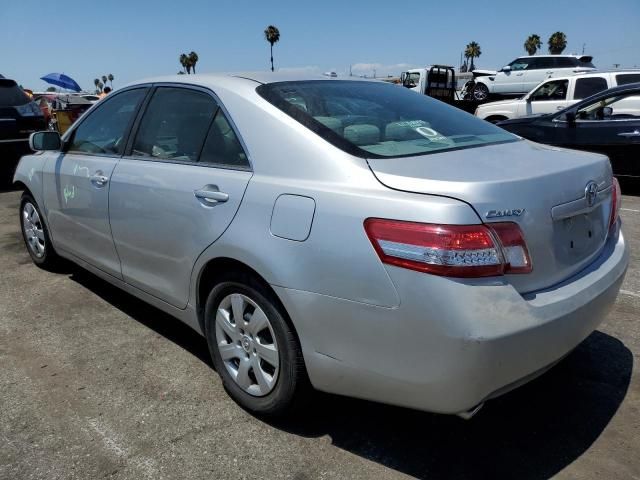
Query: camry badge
point(591, 193)
point(512, 212)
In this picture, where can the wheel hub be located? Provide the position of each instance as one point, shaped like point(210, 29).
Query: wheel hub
point(246, 343)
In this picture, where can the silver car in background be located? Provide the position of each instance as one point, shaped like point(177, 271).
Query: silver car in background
point(346, 234)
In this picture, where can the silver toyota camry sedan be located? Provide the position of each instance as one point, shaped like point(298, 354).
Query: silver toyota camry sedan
point(343, 234)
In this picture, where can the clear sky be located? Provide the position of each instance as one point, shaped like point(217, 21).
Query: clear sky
point(134, 39)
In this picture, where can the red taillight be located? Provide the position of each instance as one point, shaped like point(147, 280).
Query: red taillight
point(616, 200)
point(450, 250)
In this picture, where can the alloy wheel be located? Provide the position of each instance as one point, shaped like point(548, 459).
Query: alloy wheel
point(247, 344)
point(33, 230)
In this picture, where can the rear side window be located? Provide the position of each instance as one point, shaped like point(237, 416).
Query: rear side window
point(380, 120)
point(222, 147)
point(565, 62)
point(11, 95)
point(175, 124)
point(542, 62)
point(585, 87)
point(103, 131)
point(626, 78)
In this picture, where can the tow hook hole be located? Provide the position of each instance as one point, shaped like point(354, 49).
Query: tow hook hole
point(571, 243)
point(590, 233)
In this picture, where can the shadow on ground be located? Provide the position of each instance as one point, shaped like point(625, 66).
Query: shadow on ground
point(530, 433)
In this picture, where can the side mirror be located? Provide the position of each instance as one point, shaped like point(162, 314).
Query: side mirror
point(506, 68)
point(607, 112)
point(527, 99)
point(44, 141)
point(570, 117)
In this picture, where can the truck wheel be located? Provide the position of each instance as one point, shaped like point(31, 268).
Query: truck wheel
point(480, 92)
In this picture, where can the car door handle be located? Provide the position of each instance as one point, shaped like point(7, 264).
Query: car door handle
point(518, 74)
point(635, 133)
point(98, 179)
point(211, 194)
point(559, 107)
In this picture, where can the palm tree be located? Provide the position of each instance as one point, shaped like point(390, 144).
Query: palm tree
point(472, 51)
point(104, 79)
point(272, 35)
point(193, 59)
point(100, 85)
point(557, 43)
point(96, 82)
point(532, 44)
point(183, 61)
point(110, 77)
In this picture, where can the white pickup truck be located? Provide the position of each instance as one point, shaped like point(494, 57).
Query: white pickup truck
point(555, 94)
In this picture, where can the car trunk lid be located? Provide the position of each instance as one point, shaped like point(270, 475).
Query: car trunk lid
point(539, 187)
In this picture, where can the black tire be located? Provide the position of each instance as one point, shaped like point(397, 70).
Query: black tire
point(48, 259)
point(291, 382)
point(480, 92)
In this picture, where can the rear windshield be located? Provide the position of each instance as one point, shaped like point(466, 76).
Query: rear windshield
point(11, 94)
point(380, 120)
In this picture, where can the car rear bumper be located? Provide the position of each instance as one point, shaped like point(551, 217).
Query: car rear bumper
point(451, 344)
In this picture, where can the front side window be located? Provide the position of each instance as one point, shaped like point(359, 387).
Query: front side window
point(103, 131)
point(174, 125)
point(585, 87)
point(616, 107)
point(555, 90)
point(379, 120)
point(521, 63)
point(412, 79)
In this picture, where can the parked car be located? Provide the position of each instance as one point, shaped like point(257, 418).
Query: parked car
point(556, 94)
point(524, 73)
point(349, 233)
point(19, 117)
point(608, 123)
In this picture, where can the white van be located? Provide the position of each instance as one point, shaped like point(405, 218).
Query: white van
point(555, 94)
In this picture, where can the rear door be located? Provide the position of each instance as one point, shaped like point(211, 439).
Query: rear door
point(538, 70)
point(76, 182)
point(176, 190)
point(547, 98)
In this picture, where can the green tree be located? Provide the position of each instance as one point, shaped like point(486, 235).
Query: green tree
point(51, 89)
point(110, 77)
point(100, 85)
point(557, 43)
point(96, 82)
point(104, 79)
point(532, 44)
point(472, 51)
point(193, 59)
point(272, 35)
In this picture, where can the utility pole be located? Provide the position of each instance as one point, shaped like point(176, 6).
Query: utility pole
point(583, 45)
point(350, 74)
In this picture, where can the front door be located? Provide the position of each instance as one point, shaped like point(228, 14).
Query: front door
point(76, 181)
point(176, 190)
point(549, 97)
point(611, 125)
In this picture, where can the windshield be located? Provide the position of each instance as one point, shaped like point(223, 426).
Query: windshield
point(379, 120)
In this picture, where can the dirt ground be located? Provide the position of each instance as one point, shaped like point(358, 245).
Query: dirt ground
point(96, 384)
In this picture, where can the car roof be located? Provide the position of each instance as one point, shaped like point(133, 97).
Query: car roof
point(593, 73)
point(572, 55)
point(231, 78)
